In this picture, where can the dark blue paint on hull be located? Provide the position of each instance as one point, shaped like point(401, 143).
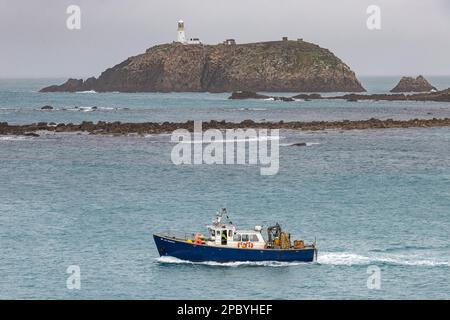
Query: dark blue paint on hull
point(188, 251)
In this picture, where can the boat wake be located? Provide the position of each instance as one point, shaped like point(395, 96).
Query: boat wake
point(325, 258)
point(350, 259)
point(173, 260)
point(410, 247)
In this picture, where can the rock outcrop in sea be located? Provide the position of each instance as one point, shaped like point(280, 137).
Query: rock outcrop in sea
point(241, 95)
point(289, 66)
point(122, 128)
point(436, 96)
point(410, 84)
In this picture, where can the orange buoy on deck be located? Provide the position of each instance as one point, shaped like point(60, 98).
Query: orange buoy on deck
point(197, 239)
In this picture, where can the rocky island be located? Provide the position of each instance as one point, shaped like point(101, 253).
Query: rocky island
point(410, 84)
point(287, 65)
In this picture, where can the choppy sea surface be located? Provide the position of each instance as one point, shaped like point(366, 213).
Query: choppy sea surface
point(370, 198)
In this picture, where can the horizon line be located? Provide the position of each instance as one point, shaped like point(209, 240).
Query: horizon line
point(89, 76)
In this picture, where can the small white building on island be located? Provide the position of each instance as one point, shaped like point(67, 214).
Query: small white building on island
point(181, 35)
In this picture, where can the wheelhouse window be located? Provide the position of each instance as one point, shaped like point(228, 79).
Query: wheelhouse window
point(237, 237)
point(230, 233)
point(254, 238)
point(245, 237)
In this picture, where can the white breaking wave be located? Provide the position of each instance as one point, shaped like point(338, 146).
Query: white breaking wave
point(149, 135)
point(90, 109)
point(349, 259)
point(86, 109)
point(14, 138)
point(252, 109)
point(82, 109)
point(87, 91)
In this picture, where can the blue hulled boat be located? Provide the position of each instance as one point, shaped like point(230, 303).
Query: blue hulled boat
point(225, 243)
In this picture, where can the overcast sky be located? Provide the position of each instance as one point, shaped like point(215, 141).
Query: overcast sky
point(35, 42)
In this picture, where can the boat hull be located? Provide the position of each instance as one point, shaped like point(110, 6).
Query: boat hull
point(180, 249)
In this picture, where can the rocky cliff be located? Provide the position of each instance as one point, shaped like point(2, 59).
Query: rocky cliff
point(296, 66)
point(410, 84)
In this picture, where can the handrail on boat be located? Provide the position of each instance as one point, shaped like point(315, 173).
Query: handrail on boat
point(180, 235)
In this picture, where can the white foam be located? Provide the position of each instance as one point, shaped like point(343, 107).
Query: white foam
point(89, 109)
point(82, 109)
point(414, 262)
point(14, 138)
point(153, 135)
point(349, 259)
point(87, 91)
point(341, 258)
point(324, 258)
point(173, 260)
point(252, 109)
point(86, 109)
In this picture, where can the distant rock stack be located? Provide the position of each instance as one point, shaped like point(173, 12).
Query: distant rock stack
point(410, 84)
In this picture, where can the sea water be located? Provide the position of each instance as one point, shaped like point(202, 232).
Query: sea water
point(370, 198)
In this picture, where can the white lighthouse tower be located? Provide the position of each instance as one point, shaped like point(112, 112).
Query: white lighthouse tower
point(181, 35)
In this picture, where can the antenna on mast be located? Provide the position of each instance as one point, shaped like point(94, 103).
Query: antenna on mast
point(222, 212)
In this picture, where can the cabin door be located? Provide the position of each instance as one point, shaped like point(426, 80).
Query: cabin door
point(223, 237)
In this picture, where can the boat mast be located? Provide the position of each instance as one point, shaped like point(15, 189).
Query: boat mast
point(219, 215)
